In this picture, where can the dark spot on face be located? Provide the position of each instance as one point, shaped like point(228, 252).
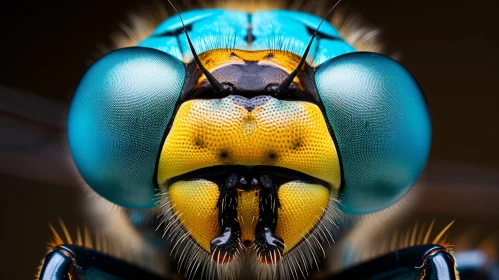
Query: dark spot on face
point(223, 154)
point(268, 56)
point(297, 144)
point(272, 155)
point(199, 142)
point(209, 60)
point(232, 54)
point(247, 243)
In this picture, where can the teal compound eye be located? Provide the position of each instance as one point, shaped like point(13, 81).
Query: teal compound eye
point(381, 123)
point(117, 120)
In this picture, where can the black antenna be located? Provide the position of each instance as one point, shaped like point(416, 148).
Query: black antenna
point(215, 84)
point(289, 79)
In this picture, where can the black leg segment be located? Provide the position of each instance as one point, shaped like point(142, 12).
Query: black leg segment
point(224, 247)
point(268, 246)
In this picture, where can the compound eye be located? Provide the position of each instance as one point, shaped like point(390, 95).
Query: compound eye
point(117, 121)
point(382, 126)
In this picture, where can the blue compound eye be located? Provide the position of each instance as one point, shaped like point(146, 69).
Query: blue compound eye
point(117, 121)
point(382, 126)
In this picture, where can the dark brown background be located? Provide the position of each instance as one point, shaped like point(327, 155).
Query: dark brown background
point(450, 47)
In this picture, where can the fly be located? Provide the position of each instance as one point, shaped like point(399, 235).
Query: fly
point(245, 143)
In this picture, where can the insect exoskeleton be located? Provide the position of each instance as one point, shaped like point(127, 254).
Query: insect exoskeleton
point(247, 171)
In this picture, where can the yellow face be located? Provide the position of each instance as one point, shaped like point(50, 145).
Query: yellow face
point(273, 133)
point(302, 207)
point(278, 133)
point(289, 134)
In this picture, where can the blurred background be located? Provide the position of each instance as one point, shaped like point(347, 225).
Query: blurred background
point(451, 47)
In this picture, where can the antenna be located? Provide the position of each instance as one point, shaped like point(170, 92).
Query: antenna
point(215, 84)
point(289, 79)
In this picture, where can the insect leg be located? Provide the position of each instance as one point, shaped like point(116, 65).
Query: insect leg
point(422, 262)
point(268, 245)
point(67, 262)
point(224, 247)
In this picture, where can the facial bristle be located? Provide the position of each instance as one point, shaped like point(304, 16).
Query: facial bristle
point(296, 264)
point(418, 234)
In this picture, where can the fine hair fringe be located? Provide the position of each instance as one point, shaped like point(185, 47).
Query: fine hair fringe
point(296, 264)
point(141, 24)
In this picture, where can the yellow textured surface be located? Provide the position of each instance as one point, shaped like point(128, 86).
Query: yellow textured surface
point(217, 58)
point(302, 206)
point(291, 134)
point(196, 204)
point(247, 210)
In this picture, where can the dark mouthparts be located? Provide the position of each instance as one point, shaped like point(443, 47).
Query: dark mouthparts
point(246, 174)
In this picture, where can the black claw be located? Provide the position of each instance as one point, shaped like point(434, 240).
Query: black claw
point(224, 247)
point(268, 245)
